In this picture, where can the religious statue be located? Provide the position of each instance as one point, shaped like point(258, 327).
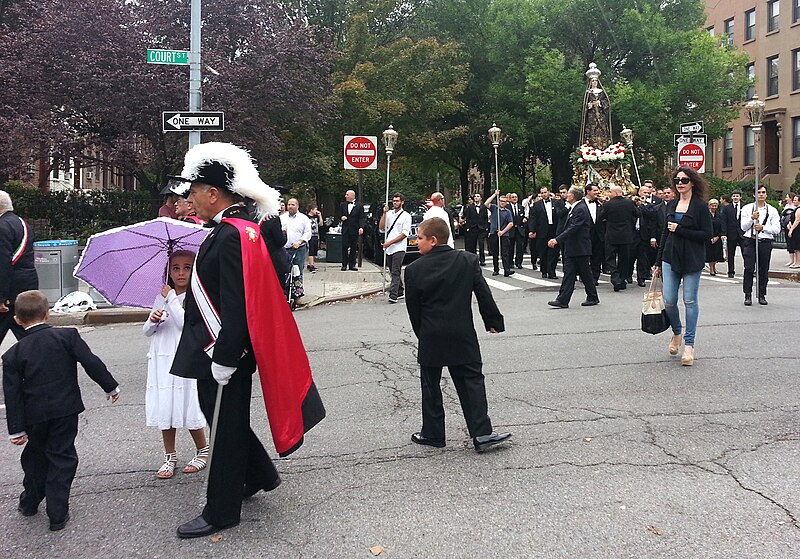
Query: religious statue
point(596, 120)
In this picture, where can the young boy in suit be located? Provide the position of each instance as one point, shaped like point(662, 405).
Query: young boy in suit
point(40, 383)
point(439, 288)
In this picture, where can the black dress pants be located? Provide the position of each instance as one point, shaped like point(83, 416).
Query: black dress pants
point(575, 266)
point(732, 242)
point(617, 262)
point(504, 252)
point(534, 252)
point(518, 242)
point(349, 248)
point(239, 461)
point(596, 259)
point(471, 240)
point(482, 246)
point(749, 255)
point(49, 461)
point(548, 257)
point(469, 382)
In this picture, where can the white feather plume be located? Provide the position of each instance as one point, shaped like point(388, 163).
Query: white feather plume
point(245, 182)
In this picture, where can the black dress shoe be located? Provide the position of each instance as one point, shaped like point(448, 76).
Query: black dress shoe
point(344, 268)
point(552, 276)
point(482, 442)
point(419, 439)
point(762, 300)
point(56, 526)
point(558, 304)
point(495, 273)
point(27, 511)
point(198, 528)
point(641, 283)
point(508, 273)
point(748, 300)
point(590, 303)
point(353, 269)
point(519, 266)
point(628, 280)
point(544, 275)
point(731, 274)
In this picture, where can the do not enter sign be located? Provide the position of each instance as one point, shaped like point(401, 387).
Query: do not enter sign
point(692, 155)
point(360, 152)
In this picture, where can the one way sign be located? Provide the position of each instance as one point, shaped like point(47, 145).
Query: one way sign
point(185, 121)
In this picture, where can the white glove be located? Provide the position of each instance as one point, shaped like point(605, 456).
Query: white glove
point(221, 373)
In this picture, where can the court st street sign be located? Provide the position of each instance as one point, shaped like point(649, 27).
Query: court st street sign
point(160, 56)
point(185, 121)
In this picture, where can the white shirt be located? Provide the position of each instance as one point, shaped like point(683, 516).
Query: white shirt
point(400, 223)
point(592, 205)
point(548, 208)
point(772, 226)
point(297, 226)
point(436, 211)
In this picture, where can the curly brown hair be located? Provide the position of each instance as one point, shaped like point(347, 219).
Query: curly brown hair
point(699, 183)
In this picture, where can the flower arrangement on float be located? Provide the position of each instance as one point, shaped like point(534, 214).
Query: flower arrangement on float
point(587, 154)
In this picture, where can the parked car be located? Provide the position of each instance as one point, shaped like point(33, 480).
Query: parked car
point(373, 238)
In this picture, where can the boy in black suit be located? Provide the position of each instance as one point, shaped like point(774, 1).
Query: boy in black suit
point(40, 383)
point(439, 289)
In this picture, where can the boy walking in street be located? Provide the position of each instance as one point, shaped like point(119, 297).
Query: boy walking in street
point(439, 288)
point(43, 400)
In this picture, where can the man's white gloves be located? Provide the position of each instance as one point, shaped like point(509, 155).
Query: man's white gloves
point(221, 373)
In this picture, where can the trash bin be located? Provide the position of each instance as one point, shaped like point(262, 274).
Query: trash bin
point(54, 262)
point(333, 247)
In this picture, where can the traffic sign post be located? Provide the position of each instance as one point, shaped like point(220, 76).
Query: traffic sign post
point(160, 56)
point(693, 155)
point(361, 152)
point(186, 121)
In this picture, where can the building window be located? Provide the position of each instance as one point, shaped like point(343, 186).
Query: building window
point(772, 76)
point(795, 11)
point(795, 69)
point(749, 147)
point(773, 15)
point(751, 77)
point(727, 151)
point(729, 30)
point(750, 25)
point(796, 136)
point(711, 29)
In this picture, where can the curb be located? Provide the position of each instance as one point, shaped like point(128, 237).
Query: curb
point(781, 274)
point(346, 297)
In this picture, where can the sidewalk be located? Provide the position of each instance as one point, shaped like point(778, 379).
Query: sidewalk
point(328, 285)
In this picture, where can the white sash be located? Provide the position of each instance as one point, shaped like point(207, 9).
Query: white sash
point(207, 311)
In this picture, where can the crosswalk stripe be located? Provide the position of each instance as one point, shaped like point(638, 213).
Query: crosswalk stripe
point(501, 286)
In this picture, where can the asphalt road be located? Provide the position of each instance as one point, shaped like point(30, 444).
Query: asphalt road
point(618, 451)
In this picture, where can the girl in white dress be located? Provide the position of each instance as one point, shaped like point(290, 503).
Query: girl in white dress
point(171, 402)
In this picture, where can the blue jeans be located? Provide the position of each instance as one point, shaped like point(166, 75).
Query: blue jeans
point(691, 284)
point(299, 257)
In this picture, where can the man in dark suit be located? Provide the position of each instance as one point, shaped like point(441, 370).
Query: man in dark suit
point(576, 247)
point(519, 234)
point(470, 220)
point(619, 216)
point(643, 249)
point(43, 400)
point(483, 227)
point(542, 226)
point(439, 288)
point(351, 214)
point(731, 228)
point(216, 346)
point(17, 271)
point(595, 230)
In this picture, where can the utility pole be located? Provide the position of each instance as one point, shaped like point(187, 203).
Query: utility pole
point(195, 77)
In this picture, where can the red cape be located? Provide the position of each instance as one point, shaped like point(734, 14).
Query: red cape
point(292, 401)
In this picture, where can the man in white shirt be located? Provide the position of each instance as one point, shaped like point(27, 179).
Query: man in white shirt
point(762, 220)
point(395, 224)
point(437, 210)
point(298, 232)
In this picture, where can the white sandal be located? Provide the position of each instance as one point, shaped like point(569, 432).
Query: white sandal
point(167, 469)
point(199, 461)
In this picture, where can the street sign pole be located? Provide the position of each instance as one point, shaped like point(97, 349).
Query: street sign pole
point(195, 77)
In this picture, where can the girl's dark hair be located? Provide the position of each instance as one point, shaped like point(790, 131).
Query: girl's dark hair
point(699, 183)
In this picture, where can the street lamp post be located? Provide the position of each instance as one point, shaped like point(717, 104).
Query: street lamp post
point(389, 141)
point(755, 111)
point(627, 137)
point(494, 137)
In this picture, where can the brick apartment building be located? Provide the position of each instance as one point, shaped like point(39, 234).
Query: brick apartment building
point(769, 32)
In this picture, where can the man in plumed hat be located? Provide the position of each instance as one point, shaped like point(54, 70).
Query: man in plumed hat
point(237, 319)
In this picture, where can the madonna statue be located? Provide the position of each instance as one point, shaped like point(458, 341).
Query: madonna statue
point(596, 120)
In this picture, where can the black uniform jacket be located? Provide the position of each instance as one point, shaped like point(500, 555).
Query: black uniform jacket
point(219, 267)
point(575, 239)
point(439, 289)
point(40, 376)
point(19, 277)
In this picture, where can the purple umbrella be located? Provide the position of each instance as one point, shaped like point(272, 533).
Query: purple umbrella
point(128, 265)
